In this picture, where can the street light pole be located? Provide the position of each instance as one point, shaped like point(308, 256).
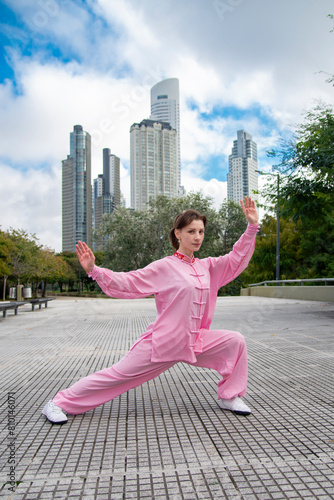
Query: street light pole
point(277, 234)
point(79, 278)
point(277, 224)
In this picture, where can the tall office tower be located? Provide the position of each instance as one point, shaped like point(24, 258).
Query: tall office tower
point(98, 186)
point(153, 162)
point(165, 108)
point(242, 178)
point(111, 175)
point(77, 191)
point(107, 193)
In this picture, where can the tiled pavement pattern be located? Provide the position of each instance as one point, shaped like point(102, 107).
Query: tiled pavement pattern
point(168, 439)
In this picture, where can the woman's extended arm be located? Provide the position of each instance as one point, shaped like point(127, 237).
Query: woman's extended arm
point(126, 285)
point(227, 267)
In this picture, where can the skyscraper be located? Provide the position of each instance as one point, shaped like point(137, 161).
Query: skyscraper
point(153, 162)
point(165, 108)
point(77, 191)
point(107, 193)
point(111, 176)
point(242, 177)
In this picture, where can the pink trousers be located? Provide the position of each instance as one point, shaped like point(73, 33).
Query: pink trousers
point(224, 351)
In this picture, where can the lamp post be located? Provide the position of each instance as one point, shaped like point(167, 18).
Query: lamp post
point(277, 224)
point(79, 278)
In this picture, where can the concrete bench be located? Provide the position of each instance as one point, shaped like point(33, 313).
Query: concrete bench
point(39, 302)
point(10, 305)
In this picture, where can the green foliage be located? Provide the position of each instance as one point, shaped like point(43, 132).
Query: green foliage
point(6, 246)
point(317, 245)
point(232, 288)
point(165, 210)
point(314, 147)
point(132, 240)
point(233, 224)
point(72, 274)
point(23, 259)
point(306, 196)
point(262, 267)
point(23, 254)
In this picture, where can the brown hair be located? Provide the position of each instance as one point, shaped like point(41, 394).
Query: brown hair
point(182, 220)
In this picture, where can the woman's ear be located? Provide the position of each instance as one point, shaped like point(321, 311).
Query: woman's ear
point(177, 233)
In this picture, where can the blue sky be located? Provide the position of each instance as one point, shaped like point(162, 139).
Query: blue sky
point(254, 65)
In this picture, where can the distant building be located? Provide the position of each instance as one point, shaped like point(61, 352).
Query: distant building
point(153, 162)
point(98, 185)
point(77, 191)
point(111, 175)
point(165, 107)
point(242, 177)
point(107, 193)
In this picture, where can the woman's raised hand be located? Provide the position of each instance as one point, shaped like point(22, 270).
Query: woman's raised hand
point(85, 256)
point(249, 210)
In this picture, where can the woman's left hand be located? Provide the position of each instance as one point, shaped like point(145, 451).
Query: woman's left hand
point(249, 210)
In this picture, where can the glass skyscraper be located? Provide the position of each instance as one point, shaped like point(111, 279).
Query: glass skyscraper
point(77, 191)
point(242, 178)
point(107, 192)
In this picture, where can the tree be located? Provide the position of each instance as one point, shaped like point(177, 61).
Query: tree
point(6, 247)
point(50, 268)
point(23, 254)
point(263, 263)
point(307, 163)
point(72, 262)
point(131, 240)
point(307, 189)
point(233, 224)
point(165, 210)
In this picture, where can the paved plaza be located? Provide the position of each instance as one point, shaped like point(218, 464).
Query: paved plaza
point(168, 439)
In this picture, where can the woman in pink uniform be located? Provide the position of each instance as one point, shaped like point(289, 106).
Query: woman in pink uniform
point(185, 290)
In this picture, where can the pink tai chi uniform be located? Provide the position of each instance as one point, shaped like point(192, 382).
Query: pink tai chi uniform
point(185, 293)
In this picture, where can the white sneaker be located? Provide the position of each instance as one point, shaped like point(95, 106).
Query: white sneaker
point(235, 405)
point(54, 413)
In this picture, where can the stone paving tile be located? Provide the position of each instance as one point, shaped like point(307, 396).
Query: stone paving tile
point(168, 439)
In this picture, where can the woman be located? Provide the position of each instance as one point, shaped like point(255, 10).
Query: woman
point(185, 292)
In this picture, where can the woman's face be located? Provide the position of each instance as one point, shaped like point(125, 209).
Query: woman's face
point(190, 237)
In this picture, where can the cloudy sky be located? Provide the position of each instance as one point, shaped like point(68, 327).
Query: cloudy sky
point(242, 64)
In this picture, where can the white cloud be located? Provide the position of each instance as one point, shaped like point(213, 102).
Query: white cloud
point(214, 188)
point(55, 98)
point(31, 200)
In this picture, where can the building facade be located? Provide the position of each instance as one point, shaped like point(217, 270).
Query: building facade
point(111, 176)
point(153, 162)
point(165, 107)
point(107, 192)
point(77, 191)
point(242, 178)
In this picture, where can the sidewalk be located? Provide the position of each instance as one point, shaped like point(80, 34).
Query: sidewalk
point(168, 439)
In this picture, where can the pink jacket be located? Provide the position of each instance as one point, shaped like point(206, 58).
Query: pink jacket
point(185, 293)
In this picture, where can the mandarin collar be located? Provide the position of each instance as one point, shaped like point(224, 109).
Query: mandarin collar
point(184, 258)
